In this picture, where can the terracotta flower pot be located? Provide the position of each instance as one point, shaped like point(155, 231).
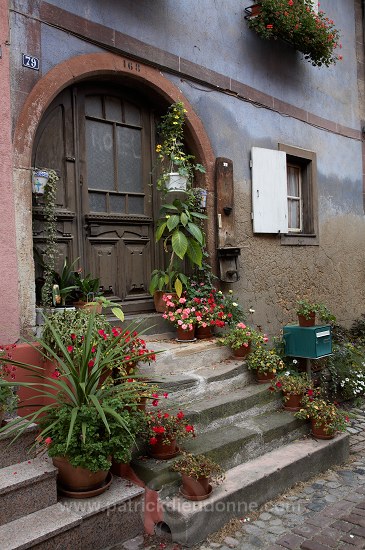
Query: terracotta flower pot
point(319, 433)
point(185, 335)
point(263, 377)
point(163, 451)
point(242, 351)
point(293, 403)
point(159, 302)
point(195, 489)
point(304, 322)
point(204, 332)
point(77, 479)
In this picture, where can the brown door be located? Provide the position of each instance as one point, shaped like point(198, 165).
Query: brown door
point(100, 140)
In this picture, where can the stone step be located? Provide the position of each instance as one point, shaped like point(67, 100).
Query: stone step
point(248, 486)
point(228, 445)
point(19, 450)
point(230, 373)
point(27, 487)
point(177, 357)
point(116, 516)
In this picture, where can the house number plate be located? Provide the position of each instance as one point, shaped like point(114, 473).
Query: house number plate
point(30, 62)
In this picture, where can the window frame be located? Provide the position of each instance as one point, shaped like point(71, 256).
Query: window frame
point(307, 161)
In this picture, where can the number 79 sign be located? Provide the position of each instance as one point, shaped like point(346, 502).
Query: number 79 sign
point(30, 62)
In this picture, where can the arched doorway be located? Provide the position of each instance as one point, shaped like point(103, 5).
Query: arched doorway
point(101, 139)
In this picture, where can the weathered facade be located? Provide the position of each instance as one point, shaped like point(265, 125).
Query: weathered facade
point(240, 92)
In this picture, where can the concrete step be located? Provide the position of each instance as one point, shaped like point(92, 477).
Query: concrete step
point(177, 357)
point(228, 445)
point(27, 487)
point(115, 516)
point(249, 485)
point(19, 450)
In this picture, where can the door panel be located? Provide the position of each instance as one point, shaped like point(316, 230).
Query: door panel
point(100, 140)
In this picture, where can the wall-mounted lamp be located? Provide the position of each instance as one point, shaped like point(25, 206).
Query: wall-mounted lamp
point(203, 198)
point(228, 263)
point(39, 181)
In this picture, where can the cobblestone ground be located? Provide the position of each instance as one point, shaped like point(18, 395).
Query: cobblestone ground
point(325, 512)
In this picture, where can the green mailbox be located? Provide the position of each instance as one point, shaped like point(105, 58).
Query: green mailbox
point(309, 342)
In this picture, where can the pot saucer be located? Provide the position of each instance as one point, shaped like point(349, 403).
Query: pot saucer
point(196, 497)
point(193, 340)
point(87, 494)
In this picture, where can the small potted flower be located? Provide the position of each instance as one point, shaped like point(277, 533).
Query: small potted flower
point(293, 385)
point(197, 474)
point(240, 339)
point(181, 314)
point(265, 362)
point(326, 418)
point(307, 311)
point(165, 430)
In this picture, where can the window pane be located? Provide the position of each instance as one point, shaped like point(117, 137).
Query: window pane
point(294, 214)
point(100, 155)
point(113, 109)
point(293, 181)
point(117, 204)
point(129, 160)
point(135, 205)
point(93, 106)
point(97, 202)
point(132, 114)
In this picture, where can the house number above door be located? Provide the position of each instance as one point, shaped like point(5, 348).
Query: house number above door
point(30, 62)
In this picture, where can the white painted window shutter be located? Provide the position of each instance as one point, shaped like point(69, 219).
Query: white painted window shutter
point(269, 191)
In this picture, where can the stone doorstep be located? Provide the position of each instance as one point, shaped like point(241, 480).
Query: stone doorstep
point(85, 522)
point(228, 445)
point(249, 485)
point(19, 450)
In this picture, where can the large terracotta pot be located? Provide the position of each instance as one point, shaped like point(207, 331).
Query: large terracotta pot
point(263, 377)
point(163, 451)
point(293, 403)
point(319, 433)
point(195, 489)
point(77, 479)
point(304, 322)
point(204, 332)
point(242, 351)
point(185, 335)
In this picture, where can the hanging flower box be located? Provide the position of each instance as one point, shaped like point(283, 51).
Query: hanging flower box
point(296, 22)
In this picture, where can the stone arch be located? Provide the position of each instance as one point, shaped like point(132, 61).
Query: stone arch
point(69, 72)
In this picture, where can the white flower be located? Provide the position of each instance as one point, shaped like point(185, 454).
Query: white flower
point(287, 373)
point(347, 380)
point(295, 361)
point(234, 304)
point(251, 310)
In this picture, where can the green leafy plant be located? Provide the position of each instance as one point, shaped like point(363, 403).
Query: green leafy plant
point(265, 360)
point(87, 287)
point(66, 281)
point(242, 335)
point(296, 22)
point(291, 383)
point(76, 384)
point(306, 308)
point(198, 466)
point(171, 155)
point(322, 412)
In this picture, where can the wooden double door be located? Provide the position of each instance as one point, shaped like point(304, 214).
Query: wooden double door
point(100, 140)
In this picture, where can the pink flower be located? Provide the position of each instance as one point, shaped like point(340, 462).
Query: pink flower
point(91, 363)
point(180, 322)
point(241, 325)
point(155, 403)
point(70, 349)
point(55, 374)
point(182, 300)
point(48, 440)
point(153, 441)
point(93, 349)
point(189, 428)
point(165, 395)
point(73, 336)
point(184, 326)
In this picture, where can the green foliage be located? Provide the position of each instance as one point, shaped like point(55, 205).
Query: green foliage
point(197, 466)
point(50, 229)
point(322, 412)
point(264, 360)
point(87, 288)
point(305, 308)
point(170, 151)
point(242, 335)
point(66, 280)
point(295, 21)
point(291, 383)
point(347, 371)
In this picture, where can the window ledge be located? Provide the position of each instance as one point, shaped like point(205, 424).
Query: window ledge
point(299, 239)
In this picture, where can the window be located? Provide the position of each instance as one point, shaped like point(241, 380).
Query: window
point(284, 194)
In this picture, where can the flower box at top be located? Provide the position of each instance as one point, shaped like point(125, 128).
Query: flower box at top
point(296, 22)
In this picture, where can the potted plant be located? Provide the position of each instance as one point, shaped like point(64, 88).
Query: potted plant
point(296, 22)
point(326, 418)
point(293, 385)
point(84, 422)
point(197, 474)
point(307, 311)
point(176, 167)
point(240, 339)
point(180, 313)
point(165, 430)
point(87, 290)
point(165, 282)
point(64, 283)
point(265, 362)
point(8, 397)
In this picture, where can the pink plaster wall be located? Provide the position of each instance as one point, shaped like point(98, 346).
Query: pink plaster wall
point(9, 300)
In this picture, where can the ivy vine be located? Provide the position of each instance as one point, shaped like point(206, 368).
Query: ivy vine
point(50, 229)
